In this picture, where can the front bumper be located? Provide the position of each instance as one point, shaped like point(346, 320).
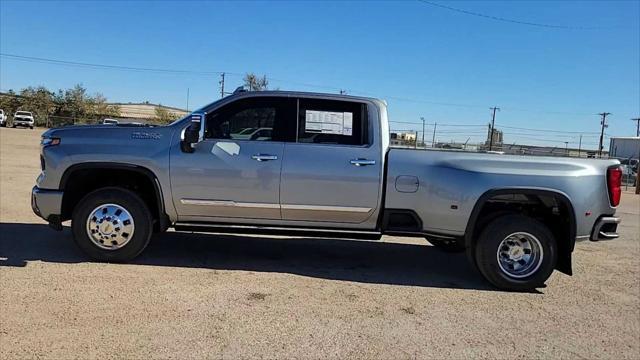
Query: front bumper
point(47, 204)
point(606, 228)
point(23, 123)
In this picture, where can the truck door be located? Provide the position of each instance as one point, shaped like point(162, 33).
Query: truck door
point(235, 171)
point(333, 172)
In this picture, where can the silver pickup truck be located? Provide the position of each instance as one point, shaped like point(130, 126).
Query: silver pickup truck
point(297, 163)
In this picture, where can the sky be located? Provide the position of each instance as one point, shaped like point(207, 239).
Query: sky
point(553, 68)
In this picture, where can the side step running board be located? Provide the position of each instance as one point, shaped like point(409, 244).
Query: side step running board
point(276, 230)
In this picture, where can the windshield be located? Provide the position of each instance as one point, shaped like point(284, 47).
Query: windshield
point(23, 113)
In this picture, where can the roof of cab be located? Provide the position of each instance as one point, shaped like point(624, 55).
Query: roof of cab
point(246, 94)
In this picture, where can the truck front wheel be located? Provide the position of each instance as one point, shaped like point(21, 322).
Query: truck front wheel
point(515, 252)
point(112, 224)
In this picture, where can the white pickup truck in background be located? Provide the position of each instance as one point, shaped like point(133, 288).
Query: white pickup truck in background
point(23, 118)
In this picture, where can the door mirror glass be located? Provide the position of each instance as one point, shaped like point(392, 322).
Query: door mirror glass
point(194, 133)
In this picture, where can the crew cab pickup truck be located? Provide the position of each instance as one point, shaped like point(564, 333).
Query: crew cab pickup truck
point(23, 118)
point(321, 167)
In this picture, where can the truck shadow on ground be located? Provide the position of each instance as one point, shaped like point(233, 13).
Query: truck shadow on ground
point(359, 261)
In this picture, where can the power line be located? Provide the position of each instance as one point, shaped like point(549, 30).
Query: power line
point(105, 66)
point(219, 73)
point(545, 130)
point(514, 21)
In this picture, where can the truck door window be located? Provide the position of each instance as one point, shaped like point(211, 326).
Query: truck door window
point(332, 122)
point(257, 119)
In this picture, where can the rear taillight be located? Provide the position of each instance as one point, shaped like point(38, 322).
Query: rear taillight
point(614, 184)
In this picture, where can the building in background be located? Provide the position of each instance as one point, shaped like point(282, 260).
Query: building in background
point(624, 147)
point(497, 138)
point(146, 111)
point(403, 138)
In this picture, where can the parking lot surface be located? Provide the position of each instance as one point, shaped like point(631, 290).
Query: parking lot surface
point(225, 296)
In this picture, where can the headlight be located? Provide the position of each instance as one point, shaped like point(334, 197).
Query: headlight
point(49, 141)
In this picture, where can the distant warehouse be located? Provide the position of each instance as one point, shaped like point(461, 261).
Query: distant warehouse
point(624, 147)
point(146, 111)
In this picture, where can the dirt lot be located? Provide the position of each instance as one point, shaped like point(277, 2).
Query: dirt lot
point(212, 296)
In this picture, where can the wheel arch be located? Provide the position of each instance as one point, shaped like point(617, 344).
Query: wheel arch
point(565, 245)
point(163, 221)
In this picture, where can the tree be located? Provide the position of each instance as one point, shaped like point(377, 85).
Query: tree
point(255, 83)
point(98, 107)
point(164, 116)
point(10, 102)
point(75, 104)
point(39, 101)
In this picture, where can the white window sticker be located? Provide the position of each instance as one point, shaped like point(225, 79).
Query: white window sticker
point(347, 125)
point(328, 122)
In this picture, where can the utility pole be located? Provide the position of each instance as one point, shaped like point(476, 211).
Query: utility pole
point(580, 146)
point(433, 140)
point(566, 148)
point(423, 145)
point(603, 122)
point(637, 120)
point(493, 123)
point(221, 82)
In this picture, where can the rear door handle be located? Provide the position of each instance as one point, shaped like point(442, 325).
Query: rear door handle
point(264, 157)
point(362, 162)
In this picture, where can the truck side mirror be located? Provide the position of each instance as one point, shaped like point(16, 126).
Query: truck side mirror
point(194, 133)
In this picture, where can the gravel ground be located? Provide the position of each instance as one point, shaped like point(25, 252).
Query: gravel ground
point(213, 296)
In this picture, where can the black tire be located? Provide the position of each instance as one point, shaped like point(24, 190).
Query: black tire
point(486, 252)
point(128, 200)
point(446, 245)
point(31, 127)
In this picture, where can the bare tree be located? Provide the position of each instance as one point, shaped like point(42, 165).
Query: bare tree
point(255, 83)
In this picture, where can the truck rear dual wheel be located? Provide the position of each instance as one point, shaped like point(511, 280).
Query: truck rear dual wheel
point(112, 224)
point(515, 252)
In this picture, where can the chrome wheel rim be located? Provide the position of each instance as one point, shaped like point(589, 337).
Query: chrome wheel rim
point(110, 226)
point(520, 255)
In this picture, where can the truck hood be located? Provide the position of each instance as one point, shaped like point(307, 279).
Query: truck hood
point(96, 134)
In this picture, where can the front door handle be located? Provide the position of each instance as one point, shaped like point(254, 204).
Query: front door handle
point(264, 157)
point(362, 162)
